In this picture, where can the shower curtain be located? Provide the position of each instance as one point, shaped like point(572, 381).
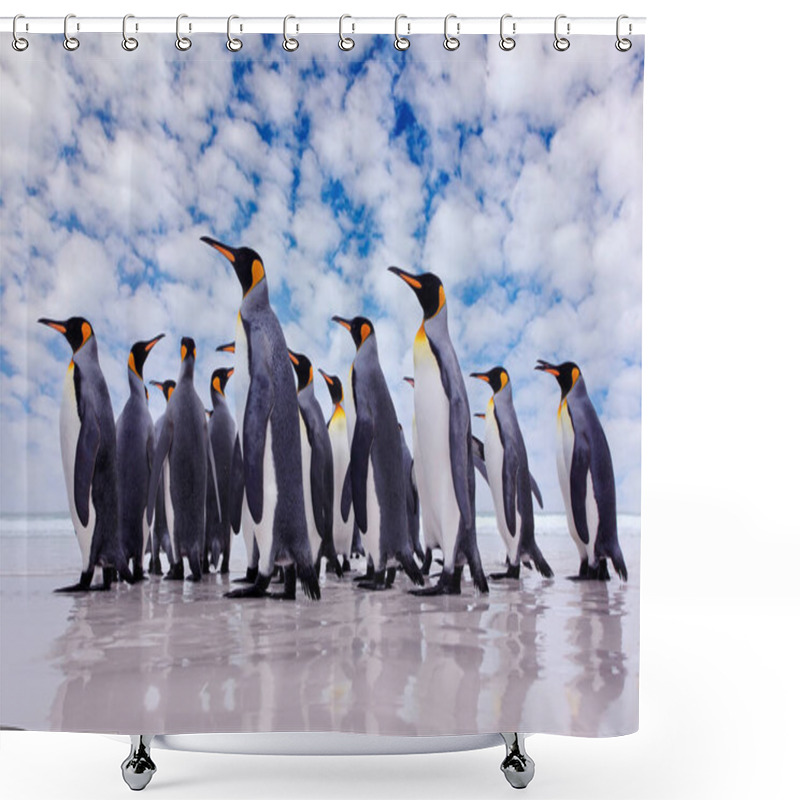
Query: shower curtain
point(320, 386)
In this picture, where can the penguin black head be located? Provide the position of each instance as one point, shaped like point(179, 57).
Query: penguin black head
point(497, 378)
point(428, 289)
point(219, 378)
point(230, 347)
point(247, 263)
point(77, 330)
point(302, 368)
point(139, 353)
point(409, 381)
point(167, 388)
point(566, 374)
point(188, 349)
point(334, 387)
point(360, 328)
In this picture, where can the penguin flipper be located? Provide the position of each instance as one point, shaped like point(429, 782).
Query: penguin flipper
point(213, 473)
point(359, 466)
point(321, 482)
point(236, 486)
point(347, 494)
point(162, 448)
point(535, 489)
point(577, 486)
point(257, 412)
point(85, 457)
point(412, 495)
point(479, 458)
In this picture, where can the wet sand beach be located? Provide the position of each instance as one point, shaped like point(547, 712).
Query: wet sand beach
point(552, 656)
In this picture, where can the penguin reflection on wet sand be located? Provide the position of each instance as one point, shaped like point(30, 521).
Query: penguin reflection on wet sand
point(183, 446)
point(317, 466)
point(135, 446)
point(221, 438)
point(586, 476)
point(88, 457)
point(236, 497)
point(267, 420)
point(340, 449)
point(159, 539)
point(506, 461)
point(376, 464)
point(445, 470)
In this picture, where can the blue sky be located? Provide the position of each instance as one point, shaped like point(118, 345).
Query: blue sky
point(514, 176)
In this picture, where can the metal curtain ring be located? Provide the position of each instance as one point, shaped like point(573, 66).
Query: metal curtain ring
point(289, 43)
point(233, 44)
point(128, 42)
point(70, 42)
point(181, 42)
point(401, 42)
point(451, 42)
point(345, 42)
point(18, 43)
point(507, 42)
point(561, 43)
point(623, 45)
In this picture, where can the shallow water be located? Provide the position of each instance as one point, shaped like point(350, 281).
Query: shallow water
point(550, 656)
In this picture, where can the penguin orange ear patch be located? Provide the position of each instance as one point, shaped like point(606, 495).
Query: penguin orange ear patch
point(441, 297)
point(257, 271)
point(365, 331)
point(86, 330)
point(503, 379)
point(132, 363)
point(576, 373)
point(183, 352)
point(216, 384)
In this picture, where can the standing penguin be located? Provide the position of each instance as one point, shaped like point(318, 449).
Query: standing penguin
point(376, 464)
point(183, 445)
point(221, 439)
point(160, 537)
point(506, 460)
point(586, 476)
point(88, 456)
point(340, 448)
point(267, 414)
point(445, 472)
point(135, 445)
point(412, 498)
point(317, 466)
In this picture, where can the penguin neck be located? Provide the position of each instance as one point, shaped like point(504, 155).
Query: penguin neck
point(436, 325)
point(87, 353)
point(187, 370)
point(306, 394)
point(136, 385)
point(256, 298)
point(503, 398)
point(367, 353)
point(217, 400)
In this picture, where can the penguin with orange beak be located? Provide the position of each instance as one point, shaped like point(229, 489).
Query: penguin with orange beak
point(135, 446)
point(267, 421)
point(89, 457)
point(586, 476)
point(444, 465)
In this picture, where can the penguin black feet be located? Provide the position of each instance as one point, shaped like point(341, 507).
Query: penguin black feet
point(510, 573)
point(449, 583)
point(587, 573)
point(345, 565)
point(175, 572)
point(378, 582)
point(138, 573)
point(154, 567)
point(249, 576)
point(517, 766)
point(426, 562)
point(258, 589)
point(289, 585)
point(83, 585)
point(138, 768)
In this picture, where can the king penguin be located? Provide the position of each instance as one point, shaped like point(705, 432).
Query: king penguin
point(340, 448)
point(317, 456)
point(236, 498)
point(376, 464)
point(506, 460)
point(445, 472)
point(88, 457)
point(135, 445)
point(267, 420)
point(412, 498)
point(586, 476)
point(160, 536)
point(221, 439)
point(183, 446)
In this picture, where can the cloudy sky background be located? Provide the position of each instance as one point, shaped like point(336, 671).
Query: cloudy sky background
point(516, 177)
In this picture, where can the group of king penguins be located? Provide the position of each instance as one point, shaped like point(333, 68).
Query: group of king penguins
point(300, 488)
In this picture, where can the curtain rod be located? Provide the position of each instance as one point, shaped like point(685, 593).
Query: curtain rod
point(350, 25)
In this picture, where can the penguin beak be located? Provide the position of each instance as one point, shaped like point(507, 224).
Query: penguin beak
point(230, 372)
point(480, 416)
point(54, 324)
point(230, 347)
point(327, 377)
point(409, 381)
point(293, 357)
point(544, 366)
point(407, 277)
point(223, 248)
point(157, 384)
point(343, 322)
point(152, 343)
point(480, 375)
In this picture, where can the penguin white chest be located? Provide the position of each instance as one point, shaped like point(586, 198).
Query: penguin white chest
point(493, 451)
point(432, 418)
point(241, 373)
point(342, 531)
point(314, 536)
point(70, 429)
point(564, 448)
